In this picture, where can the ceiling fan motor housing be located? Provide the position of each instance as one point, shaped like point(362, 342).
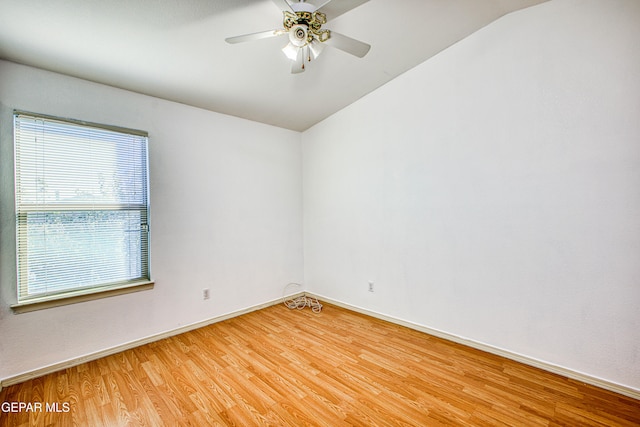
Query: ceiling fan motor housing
point(304, 27)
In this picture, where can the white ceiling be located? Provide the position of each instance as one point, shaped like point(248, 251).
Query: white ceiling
point(175, 49)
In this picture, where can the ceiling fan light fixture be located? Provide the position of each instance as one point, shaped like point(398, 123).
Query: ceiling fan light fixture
point(299, 35)
point(291, 51)
point(316, 48)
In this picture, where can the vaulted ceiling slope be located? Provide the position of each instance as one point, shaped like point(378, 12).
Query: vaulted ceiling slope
point(176, 50)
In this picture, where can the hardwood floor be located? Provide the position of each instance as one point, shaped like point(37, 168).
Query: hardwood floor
point(288, 367)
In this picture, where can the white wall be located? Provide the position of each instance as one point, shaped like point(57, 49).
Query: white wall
point(225, 214)
point(493, 192)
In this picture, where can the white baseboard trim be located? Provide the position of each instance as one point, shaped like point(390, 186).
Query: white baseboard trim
point(578, 376)
point(17, 379)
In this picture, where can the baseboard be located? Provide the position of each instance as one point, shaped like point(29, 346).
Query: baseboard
point(578, 376)
point(133, 344)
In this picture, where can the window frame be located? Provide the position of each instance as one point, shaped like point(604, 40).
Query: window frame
point(94, 291)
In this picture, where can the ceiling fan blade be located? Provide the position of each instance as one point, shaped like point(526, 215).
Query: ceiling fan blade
point(347, 44)
point(319, 4)
point(255, 36)
point(283, 5)
point(333, 9)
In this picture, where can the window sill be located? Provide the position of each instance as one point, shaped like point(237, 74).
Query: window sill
point(80, 296)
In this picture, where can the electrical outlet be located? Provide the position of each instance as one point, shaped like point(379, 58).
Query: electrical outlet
point(370, 286)
point(205, 293)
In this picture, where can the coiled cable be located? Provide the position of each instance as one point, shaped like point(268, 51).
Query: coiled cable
point(300, 301)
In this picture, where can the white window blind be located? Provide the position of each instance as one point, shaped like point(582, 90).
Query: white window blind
point(81, 207)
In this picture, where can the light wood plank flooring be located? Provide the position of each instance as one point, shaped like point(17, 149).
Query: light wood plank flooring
point(286, 367)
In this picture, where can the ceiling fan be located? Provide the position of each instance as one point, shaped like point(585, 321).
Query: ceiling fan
point(302, 22)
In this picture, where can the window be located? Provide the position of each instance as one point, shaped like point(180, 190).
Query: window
point(81, 208)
